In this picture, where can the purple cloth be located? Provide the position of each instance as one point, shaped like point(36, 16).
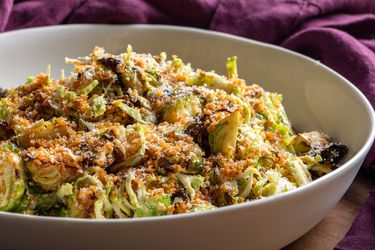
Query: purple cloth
point(358, 237)
point(339, 33)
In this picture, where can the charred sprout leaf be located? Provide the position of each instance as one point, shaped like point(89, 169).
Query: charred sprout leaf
point(300, 144)
point(334, 153)
point(232, 67)
point(3, 93)
point(183, 109)
point(223, 138)
point(48, 177)
point(321, 170)
point(109, 62)
point(304, 142)
point(311, 161)
point(12, 179)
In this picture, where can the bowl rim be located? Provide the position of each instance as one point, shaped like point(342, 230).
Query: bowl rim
point(220, 35)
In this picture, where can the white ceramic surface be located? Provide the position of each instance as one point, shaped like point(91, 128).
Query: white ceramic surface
point(316, 98)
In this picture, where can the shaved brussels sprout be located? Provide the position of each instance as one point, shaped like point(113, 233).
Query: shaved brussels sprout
point(272, 183)
point(90, 87)
point(48, 74)
point(46, 176)
point(133, 113)
point(47, 201)
point(276, 114)
point(133, 78)
point(195, 165)
point(5, 111)
point(63, 94)
point(203, 207)
point(98, 105)
point(65, 191)
point(299, 171)
point(49, 168)
point(44, 130)
point(212, 81)
point(153, 204)
point(246, 181)
point(88, 198)
point(12, 180)
point(121, 206)
point(129, 189)
point(183, 109)
point(35, 202)
point(223, 138)
point(191, 183)
point(134, 147)
point(232, 67)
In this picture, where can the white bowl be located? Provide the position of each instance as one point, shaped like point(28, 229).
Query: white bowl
point(315, 97)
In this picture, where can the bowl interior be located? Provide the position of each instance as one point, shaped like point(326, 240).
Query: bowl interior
point(314, 97)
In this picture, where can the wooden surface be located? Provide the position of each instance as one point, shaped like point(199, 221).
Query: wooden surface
point(332, 229)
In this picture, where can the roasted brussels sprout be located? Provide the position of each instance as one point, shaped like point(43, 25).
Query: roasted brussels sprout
point(50, 168)
point(133, 147)
point(119, 202)
point(88, 198)
point(183, 109)
point(44, 130)
point(304, 142)
point(12, 179)
point(223, 138)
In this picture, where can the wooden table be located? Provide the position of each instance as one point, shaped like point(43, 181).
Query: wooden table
point(332, 229)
